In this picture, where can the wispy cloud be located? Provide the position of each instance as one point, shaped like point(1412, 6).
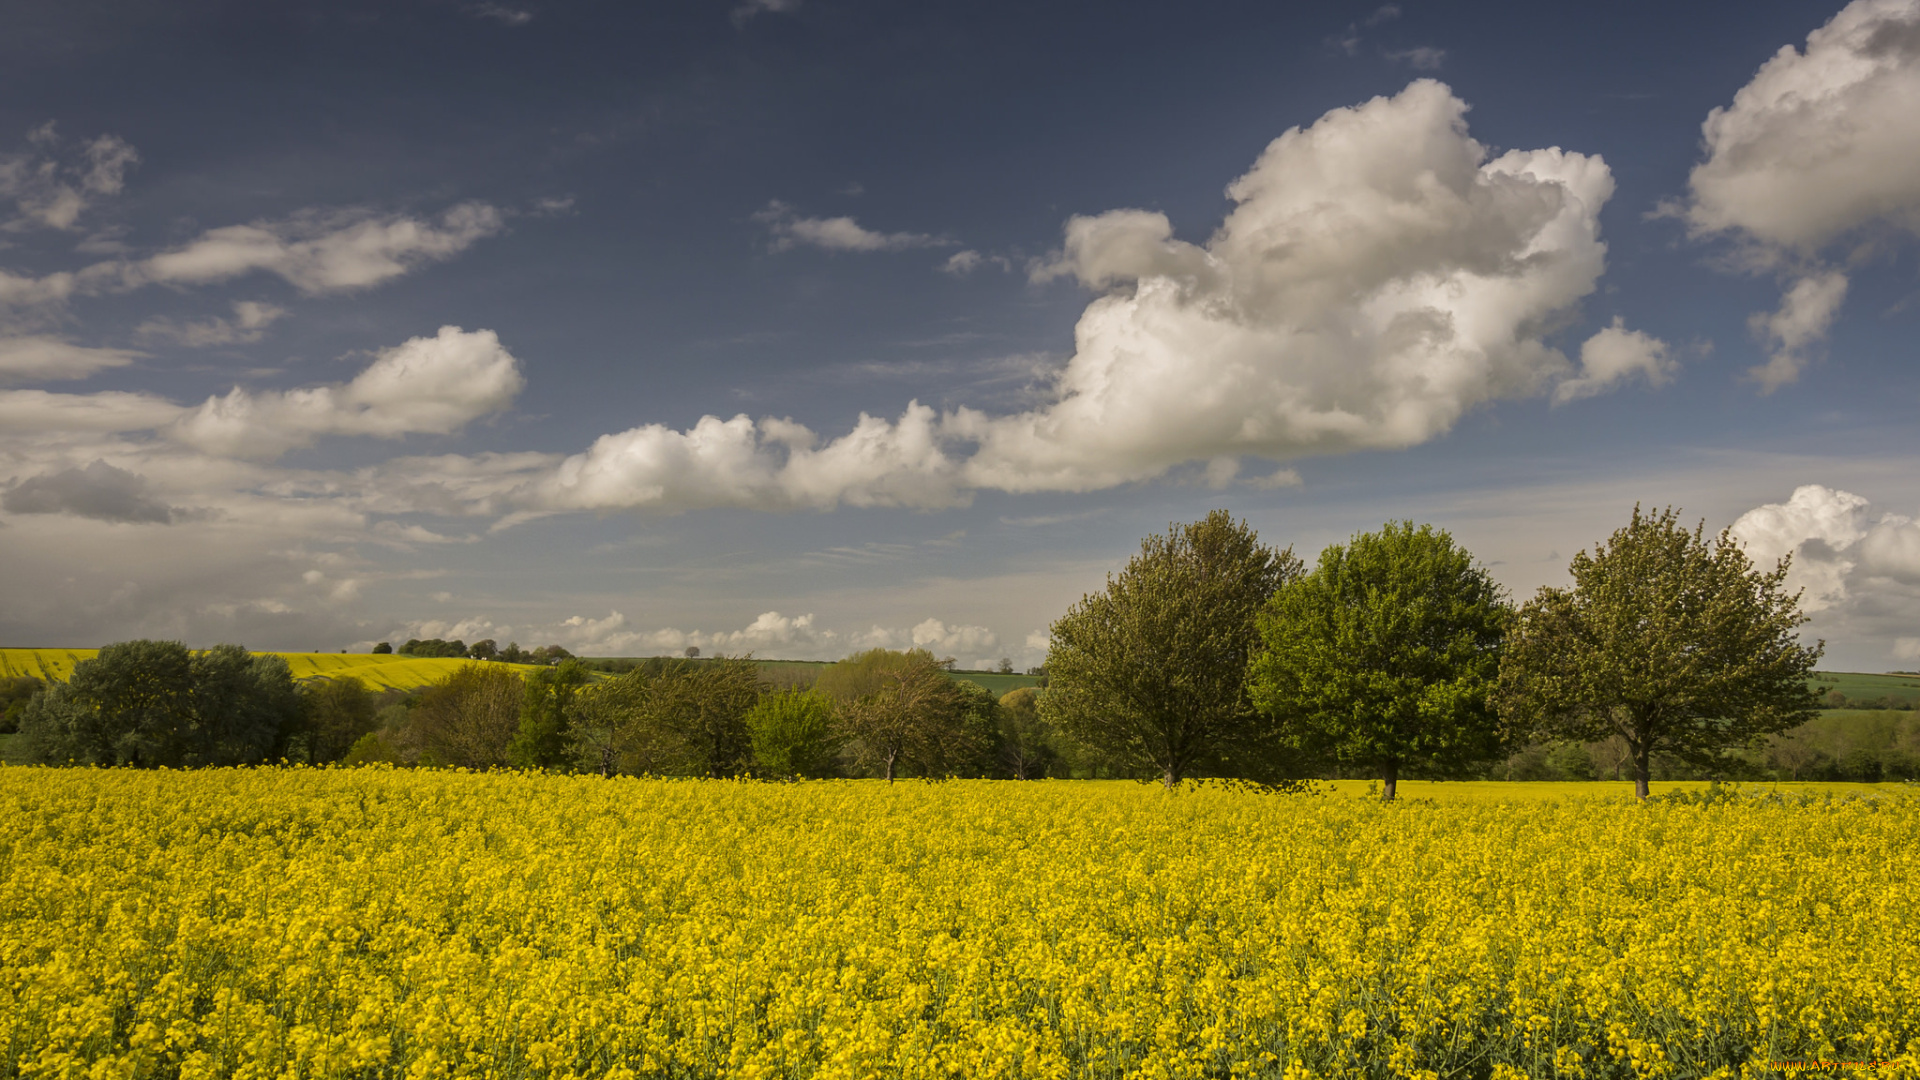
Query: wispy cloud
point(790, 230)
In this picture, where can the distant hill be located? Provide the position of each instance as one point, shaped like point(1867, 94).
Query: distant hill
point(378, 672)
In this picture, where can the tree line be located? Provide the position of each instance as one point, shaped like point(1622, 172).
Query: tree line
point(1397, 654)
point(1209, 655)
point(879, 713)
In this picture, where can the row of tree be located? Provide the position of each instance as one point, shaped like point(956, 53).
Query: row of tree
point(484, 649)
point(1211, 654)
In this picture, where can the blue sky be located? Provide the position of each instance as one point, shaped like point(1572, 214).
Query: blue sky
point(799, 327)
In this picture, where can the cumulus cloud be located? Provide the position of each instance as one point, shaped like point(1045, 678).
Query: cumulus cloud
point(1378, 278)
point(249, 324)
point(1857, 571)
point(791, 230)
point(502, 14)
point(316, 252)
point(98, 491)
point(36, 358)
point(1613, 356)
point(434, 385)
point(52, 182)
point(1816, 148)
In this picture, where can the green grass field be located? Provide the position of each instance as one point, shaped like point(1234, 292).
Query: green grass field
point(803, 672)
point(1859, 686)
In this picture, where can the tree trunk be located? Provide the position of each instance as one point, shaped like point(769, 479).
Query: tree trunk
point(890, 760)
point(1642, 772)
point(1389, 780)
point(1170, 778)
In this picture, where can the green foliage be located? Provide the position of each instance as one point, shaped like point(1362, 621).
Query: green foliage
point(915, 720)
point(794, 735)
point(434, 647)
point(1028, 746)
point(385, 648)
point(1384, 654)
point(156, 703)
point(1151, 673)
point(1674, 644)
point(339, 713)
point(864, 673)
point(542, 741)
point(683, 718)
point(15, 692)
point(468, 719)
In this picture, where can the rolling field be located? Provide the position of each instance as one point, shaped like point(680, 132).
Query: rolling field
point(1867, 687)
point(375, 923)
point(384, 672)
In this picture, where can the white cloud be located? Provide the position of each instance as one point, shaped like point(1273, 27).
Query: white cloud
point(434, 385)
point(1816, 148)
point(1420, 57)
point(1906, 648)
point(771, 466)
point(39, 357)
point(1614, 355)
point(250, 321)
point(19, 291)
point(26, 411)
point(836, 233)
point(1858, 574)
point(313, 251)
point(1377, 278)
point(770, 636)
point(50, 186)
point(1806, 311)
point(962, 263)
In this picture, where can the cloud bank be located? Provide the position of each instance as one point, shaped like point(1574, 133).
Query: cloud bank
point(1817, 148)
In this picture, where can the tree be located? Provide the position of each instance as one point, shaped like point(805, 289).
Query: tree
point(469, 718)
point(915, 720)
point(1005, 666)
point(1675, 644)
point(384, 648)
point(864, 673)
point(542, 740)
point(484, 649)
point(1152, 672)
point(1026, 743)
point(794, 734)
point(680, 718)
point(339, 713)
point(1384, 655)
point(157, 703)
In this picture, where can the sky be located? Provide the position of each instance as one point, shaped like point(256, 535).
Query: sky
point(797, 327)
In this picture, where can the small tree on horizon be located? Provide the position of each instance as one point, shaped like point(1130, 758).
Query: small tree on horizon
point(1673, 644)
point(1384, 655)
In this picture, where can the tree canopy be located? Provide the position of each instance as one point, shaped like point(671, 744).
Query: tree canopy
point(158, 703)
point(1676, 644)
point(1152, 671)
point(1385, 653)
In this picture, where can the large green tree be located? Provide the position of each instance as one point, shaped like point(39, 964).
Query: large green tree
point(1385, 654)
point(1674, 643)
point(677, 718)
point(794, 734)
point(917, 719)
point(545, 711)
point(158, 703)
point(1151, 673)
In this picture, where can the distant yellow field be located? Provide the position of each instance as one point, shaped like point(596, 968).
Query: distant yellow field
point(377, 672)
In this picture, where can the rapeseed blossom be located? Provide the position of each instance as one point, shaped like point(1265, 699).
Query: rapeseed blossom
point(389, 923)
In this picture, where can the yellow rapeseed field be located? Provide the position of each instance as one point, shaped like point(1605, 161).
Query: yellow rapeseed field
point(385, 923)
point(378, 671)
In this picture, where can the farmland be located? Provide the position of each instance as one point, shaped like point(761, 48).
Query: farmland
point(378, 672)
point(379, 922)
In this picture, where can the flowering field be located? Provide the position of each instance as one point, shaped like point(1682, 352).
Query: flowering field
point(378, 672)
point(319, 923)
